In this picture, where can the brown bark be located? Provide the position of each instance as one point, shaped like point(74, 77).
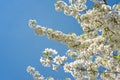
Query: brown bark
point(105, 1)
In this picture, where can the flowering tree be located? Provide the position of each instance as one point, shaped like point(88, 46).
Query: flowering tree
point(100, 41)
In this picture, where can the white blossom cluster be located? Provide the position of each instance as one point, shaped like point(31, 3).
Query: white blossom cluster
point(49, 59)
point(59, 60)
point(94, 49)
point(74, 9)
point(49, 50)
point(70, 39)
point(36, 75)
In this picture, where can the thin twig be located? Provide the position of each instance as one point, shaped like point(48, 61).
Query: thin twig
point(105, 2)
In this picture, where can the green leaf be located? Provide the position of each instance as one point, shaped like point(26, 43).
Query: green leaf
point(103, 74)
point(96, 6)
point(46, 54)
point(117, 57)
point(83, 45)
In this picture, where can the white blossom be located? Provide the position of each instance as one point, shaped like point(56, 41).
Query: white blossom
point(36, 75)
point(55, 67)
point(30, 69)
point(88, 51)
point(45, 62)
point(59, 60)
point(50, 50)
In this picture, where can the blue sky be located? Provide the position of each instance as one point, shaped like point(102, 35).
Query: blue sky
point(20, 47)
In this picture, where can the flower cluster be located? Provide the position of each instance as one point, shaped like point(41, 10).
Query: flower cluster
point(54, 59)
point(69, 39)
point(75, 7)
point(98, 47)
point(36, 75)
point(49, 50)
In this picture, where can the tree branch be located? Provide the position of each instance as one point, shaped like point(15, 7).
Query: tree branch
point(105, 2)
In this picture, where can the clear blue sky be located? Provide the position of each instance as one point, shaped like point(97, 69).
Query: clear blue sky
point(20, 47)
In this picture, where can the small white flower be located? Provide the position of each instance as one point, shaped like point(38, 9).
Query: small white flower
point(36, 74)
point(55, 67)
point(50, 51)
point(30, 69)
point(32, 23)
point(40, 78)
point(45, 62)
point(50, 78)
point(59, 60)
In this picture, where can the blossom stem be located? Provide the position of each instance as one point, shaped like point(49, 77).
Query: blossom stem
point(105, 2)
